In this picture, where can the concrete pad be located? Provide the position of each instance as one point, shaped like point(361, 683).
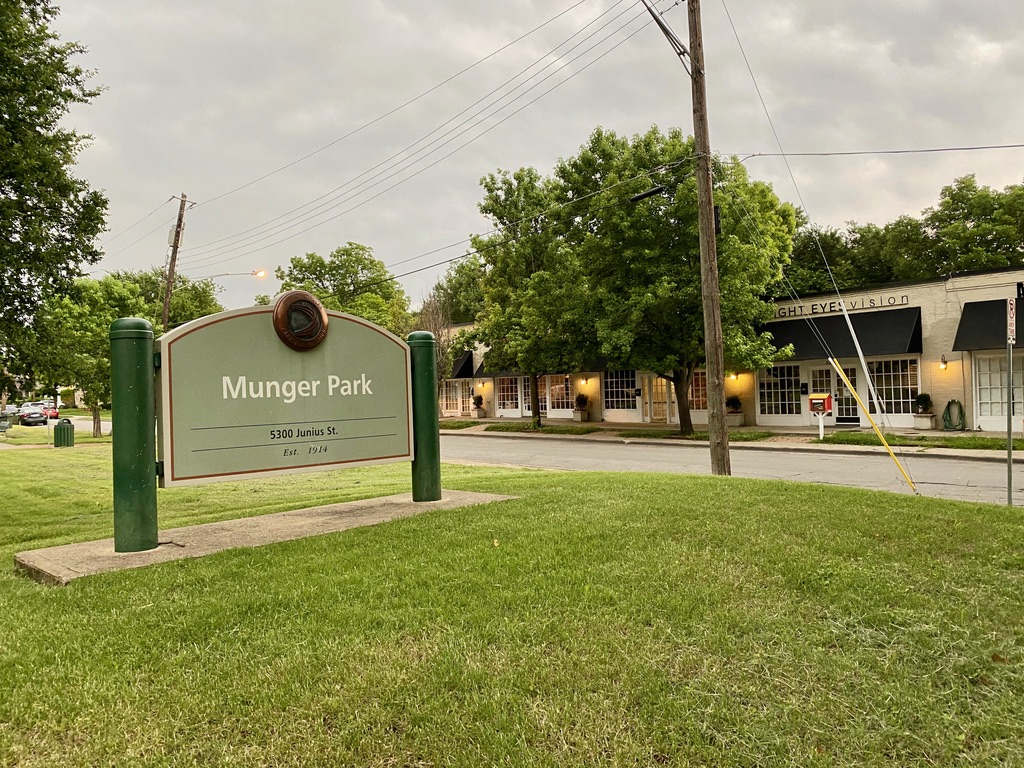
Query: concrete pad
point(59, 565)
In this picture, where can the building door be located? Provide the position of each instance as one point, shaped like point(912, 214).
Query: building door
point(846, 404)
point(655, 398)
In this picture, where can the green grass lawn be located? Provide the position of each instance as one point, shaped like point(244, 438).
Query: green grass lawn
point(960, 440)
point(600, 619)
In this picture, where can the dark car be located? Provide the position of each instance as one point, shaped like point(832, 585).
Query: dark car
point(33, 417)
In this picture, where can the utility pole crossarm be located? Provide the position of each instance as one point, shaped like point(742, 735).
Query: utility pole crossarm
point(666, 30)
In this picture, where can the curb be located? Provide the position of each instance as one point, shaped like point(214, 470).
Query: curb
point(847, 450)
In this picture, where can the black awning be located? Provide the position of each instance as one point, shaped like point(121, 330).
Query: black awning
point(887, 332)
point(983, 326)
point(462, 368)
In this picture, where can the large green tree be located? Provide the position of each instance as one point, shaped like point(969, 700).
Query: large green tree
point(350, 280)
point(532, 319)
point(49, 219)
point(72, 340)
point(641, 260)
point(971, 228)
point(190, 299)
point(461, 291)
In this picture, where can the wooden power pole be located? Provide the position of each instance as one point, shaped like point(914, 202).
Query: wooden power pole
point(718, 434)
point(173, 260)
point(715, 363)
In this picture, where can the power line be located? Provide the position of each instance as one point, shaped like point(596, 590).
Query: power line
point(111, 239)
point(393, 169)
point(436, 162)
point(400, 107)
point(859, 152)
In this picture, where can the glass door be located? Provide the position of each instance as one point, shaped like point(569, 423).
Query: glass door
point(655, 391)
point(846, 404)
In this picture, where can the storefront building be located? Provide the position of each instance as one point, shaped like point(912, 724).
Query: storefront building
point(945, 337)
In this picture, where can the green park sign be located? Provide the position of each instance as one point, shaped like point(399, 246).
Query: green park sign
point(280, 389)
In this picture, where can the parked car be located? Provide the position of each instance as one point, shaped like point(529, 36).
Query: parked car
point(33, 417)
point(10, 410)
point(51, 411)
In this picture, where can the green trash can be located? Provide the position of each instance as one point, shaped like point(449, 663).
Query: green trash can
point(64, 434)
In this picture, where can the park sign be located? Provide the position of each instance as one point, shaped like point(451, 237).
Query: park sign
point(280, 389)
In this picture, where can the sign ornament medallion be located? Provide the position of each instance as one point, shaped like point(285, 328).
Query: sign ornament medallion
point(300, 320)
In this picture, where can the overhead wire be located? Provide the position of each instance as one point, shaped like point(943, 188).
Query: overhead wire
point(126, 230)
point(404, 164)
point(355, 290)
point(842, 304)
point(249, 249)
point(400, 153)
point(394, 110)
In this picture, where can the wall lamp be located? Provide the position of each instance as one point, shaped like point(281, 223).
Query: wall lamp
point(942, 363)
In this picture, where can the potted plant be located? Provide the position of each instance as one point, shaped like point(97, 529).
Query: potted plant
point(924, 418)
point(734, 411)
point(580, 413)
point(478, 407)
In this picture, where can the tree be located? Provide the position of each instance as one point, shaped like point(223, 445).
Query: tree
point(49, 219)
point(641, 261)
point(350, 280)
point(806, 272)
point(190, 299)
point(460, 291)
point(532, 319)
point(72, 341)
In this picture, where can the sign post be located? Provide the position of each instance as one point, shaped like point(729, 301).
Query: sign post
point(1011, 339)
point(131, 380)
point(820, 406)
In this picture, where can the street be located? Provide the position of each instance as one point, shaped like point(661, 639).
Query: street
point(947, 478)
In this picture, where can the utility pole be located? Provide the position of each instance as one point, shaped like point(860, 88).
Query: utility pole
point(715, 362)
point(173, 259)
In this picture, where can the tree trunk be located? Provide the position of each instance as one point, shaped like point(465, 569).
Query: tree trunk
point(681, 379)
point(97, 430)
point(535, 399)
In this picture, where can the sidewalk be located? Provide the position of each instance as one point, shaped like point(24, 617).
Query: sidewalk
point(790, 439)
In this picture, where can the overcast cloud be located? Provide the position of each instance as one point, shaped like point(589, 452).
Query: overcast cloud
point(204, 97)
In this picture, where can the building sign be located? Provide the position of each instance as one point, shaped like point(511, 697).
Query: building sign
point(811, 308)
point(267, 390)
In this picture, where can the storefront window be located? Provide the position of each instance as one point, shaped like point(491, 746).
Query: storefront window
point(508, 393)
point(561, 396)
point(896, 384)
point(451, 396)
point(620, 390)
point(992, 385)
point(699, 391)
point(779, 390)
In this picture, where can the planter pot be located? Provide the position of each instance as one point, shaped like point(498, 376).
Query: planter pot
point(924, 421)
point(580, 415)
point(734, 419)
point(479, 413)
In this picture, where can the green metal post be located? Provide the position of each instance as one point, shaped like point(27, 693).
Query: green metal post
point(426, 434)
point(134, 434)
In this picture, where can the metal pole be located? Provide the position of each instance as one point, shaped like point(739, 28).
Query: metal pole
point(1011, 339)
point(1009, 423)
point(426, 434)
point(134, 434)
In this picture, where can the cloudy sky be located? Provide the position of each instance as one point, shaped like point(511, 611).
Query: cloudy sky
point(300, 126)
